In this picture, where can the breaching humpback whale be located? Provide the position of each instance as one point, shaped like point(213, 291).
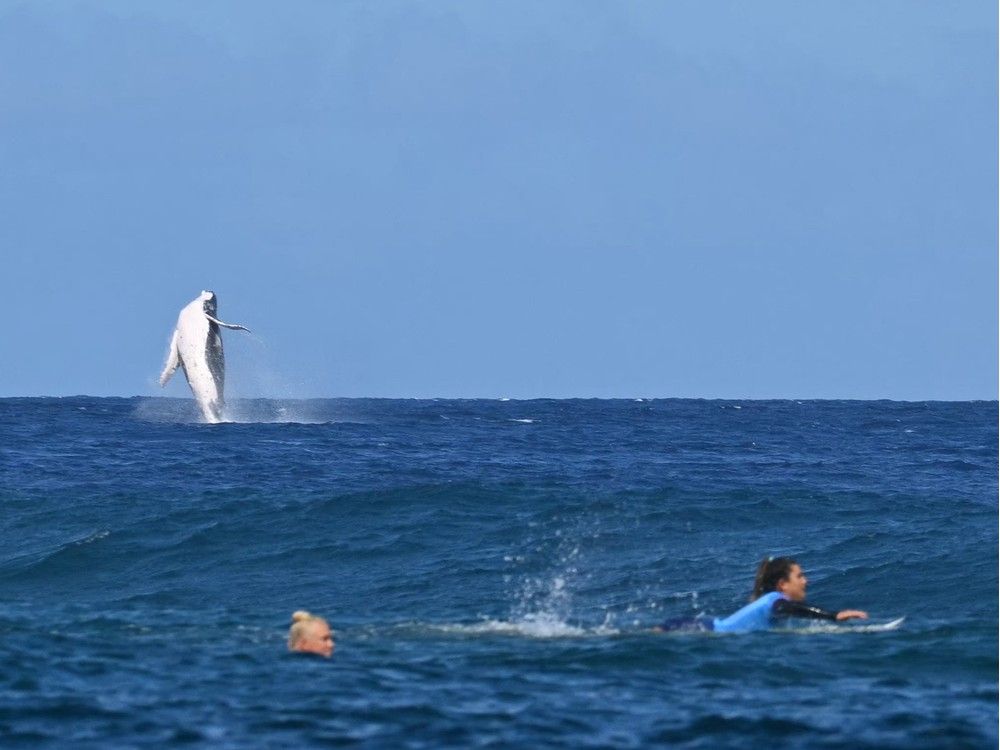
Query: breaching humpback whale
point(196, 346)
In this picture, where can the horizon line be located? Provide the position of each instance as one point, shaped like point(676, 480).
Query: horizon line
point(529, 398)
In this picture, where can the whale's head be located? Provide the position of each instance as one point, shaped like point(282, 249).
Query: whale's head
point(208, 302)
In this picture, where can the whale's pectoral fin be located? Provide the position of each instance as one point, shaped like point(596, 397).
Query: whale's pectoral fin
point(231, 326)
point(173, 361)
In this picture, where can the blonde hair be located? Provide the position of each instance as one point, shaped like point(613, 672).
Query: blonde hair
point(301, 620)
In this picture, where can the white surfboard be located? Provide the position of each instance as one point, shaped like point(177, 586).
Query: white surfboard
point(854, 626)
point(878, 627)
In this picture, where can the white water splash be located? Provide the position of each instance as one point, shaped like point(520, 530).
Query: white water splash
point(91, 538)
point(814, 628)
point(268, 411)
point(537, 625)
point(238, 411)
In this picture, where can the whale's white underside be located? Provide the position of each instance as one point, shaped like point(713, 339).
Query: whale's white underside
point(196, 347)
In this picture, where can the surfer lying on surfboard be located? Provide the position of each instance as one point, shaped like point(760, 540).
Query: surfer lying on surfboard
point(779, 591)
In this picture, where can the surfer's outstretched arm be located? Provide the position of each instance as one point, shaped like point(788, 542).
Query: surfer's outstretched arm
point(851, 614)
point(172, 363)
point(789, 608)
point(231, 326)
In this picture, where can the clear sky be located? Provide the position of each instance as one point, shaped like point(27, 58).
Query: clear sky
point(503, 199)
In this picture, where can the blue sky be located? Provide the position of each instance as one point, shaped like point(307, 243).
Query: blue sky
point(471, 199)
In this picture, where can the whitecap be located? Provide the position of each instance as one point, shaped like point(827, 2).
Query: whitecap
point(841, 628)
point(90, 538)
point(541, 625)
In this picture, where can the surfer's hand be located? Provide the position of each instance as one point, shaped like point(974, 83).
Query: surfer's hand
point(851, 614)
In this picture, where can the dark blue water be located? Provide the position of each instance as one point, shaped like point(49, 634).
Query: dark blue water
point(491, 570)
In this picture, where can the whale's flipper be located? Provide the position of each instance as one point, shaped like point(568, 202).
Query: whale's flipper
point(173, 361)
point(231, 326)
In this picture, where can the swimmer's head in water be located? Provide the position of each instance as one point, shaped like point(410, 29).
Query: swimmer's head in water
point(781, 574)
point(310, 635)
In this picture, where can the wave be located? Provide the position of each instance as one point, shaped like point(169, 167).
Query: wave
point(67, 555)
point(541, 625)
point(239, 411)
point(827, 628)
point(546, 626)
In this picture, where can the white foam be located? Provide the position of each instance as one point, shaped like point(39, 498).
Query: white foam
point(841, 628)
point(239, 411)
point(272, 412)
point(522, 421)
point(537, 625)
point(90, 538)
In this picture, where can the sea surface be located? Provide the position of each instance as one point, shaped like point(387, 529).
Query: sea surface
point(493, 570)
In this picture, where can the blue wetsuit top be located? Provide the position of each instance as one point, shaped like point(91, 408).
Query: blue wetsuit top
point(754, 616)
point(758, 614)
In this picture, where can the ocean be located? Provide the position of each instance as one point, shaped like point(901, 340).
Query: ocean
point(493, 570)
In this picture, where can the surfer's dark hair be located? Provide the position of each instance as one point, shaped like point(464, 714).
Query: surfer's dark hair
point(771, 572)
